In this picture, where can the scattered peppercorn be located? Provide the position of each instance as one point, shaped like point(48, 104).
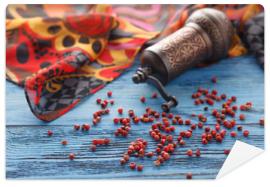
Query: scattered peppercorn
point(64, 142)
point(109, 93)
point(140, 167)
point(120, 110)
point(189, 176)
point(71, 156)
point(227, 151)
point(246, 133)
point(198, 153)
point(242, 117)
point(154, 95)
point(98, 101)
point(93, 148)
point(214, 79)
point(50, 133)
point(142, 99)
point(132, 165)
point(86, 127)
point(189, 153)
point(261, 122)
point(233, 134)
point(76, 127)
point(239, 128)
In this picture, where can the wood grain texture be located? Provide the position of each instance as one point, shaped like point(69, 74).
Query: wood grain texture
point(31, 154)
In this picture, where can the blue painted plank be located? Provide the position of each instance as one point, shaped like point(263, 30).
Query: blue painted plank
point(31, 154)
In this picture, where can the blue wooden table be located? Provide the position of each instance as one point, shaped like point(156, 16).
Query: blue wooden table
point(31, 154)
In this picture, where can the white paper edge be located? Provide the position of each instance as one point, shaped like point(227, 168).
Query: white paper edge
point(240, 153)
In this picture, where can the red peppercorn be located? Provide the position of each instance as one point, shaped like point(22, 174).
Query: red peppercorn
point(116, 120)
point(197, 102)
point(107, 111)
point(233, 134)
point(126, 157)
point(242, 117)
point(214, 79)
point(227, 151)
point(200, 125)
point(50, 133)
point(132, 165)
point(217, 127)
point(103, 104)
point(207, 129)
point(170, 115)
point(98, 101)
point(109, 93)
point(234, 107)
point(198, 153)
point(139, 167)
point(246, 133)
point(213, 132)
point(76, 127)
point(233, 98)
point(172, 129)
point(165, 155)
point(204, 141)
point(150, 154)
point(122, 161)
point(189, 176)
point(71, 156)
point(156, 137)
point(223, 96)
point(154, 95)
point(131, 113)
point(209, 101)
point(219, 138)
point(188, 134)
point(239, 127)
point(187, 122)
point(243, 107)
point(214, 92)
point(64, 142)
point(223, 133)
point(193, 126)
point(261, 122)
point(170, 138)
point(174, 121)
point(100, 141)
point(120, 110)
point(142, 99)
point(180, 122)
point(136, 120)
point(123, 121)
point(163, 114)
point(157, 115)
point(112, 102)
point(157, 163)
point(182, 142)
point(86, 127)
point(93, 148)
point(209, 137)
point(189, 152)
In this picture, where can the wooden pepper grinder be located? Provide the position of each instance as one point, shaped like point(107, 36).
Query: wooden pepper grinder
point(206, 36)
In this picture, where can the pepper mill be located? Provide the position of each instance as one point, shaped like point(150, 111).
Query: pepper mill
point(206, 36)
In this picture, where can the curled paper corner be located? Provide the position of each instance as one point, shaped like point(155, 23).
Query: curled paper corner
point(240, 153)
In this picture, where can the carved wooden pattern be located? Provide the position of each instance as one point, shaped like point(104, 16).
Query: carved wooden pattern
point(182, 49)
